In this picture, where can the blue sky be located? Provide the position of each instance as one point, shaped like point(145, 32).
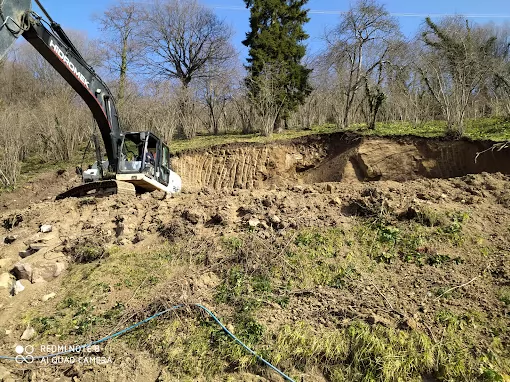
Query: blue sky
point(324, 14)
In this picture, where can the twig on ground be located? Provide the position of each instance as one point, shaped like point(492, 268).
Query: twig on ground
point(383, 296)
point(458, 286)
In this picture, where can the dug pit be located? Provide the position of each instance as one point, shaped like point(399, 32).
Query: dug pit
point(338, 157)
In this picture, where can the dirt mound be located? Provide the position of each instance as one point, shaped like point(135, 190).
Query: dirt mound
point(335, 158)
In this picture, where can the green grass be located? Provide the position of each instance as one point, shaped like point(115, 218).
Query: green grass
point(496, 129)
point(207, 140)
point(256, 282)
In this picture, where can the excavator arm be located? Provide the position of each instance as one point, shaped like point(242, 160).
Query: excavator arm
point(53, 44)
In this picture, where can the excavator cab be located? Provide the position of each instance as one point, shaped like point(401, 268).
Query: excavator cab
point(144, 160)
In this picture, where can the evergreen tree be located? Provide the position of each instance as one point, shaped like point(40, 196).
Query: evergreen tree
point(276, 48)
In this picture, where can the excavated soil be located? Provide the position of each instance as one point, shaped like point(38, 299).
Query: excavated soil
point(336, 157)
point(309, 183)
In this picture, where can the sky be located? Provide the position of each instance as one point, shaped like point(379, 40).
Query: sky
point(324, 14)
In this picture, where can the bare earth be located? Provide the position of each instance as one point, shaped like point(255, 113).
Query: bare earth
point(268, 196)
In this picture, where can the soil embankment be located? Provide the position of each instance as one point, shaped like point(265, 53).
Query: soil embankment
point(335, 158)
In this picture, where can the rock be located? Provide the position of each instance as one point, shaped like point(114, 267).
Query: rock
point(28, 252)
point(47, 271)
point(377, 319)
point(139, 236)
point(267, 202)
point(22, 271)
point(119, 226)
point(159, 195)
point(38, 272)
point(49, 296)
point(411, 323)
point(46, 228)
point(335, 201)
point(28, 334)
point(6, 281)
point(275, 219)
point(219, 218)
point(17, 288)
point(10, 239)
point(330, 188)
point(253, 222)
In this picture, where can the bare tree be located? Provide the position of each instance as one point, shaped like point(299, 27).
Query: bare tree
point(216, 91)
point(182, 38)
point(183, 41)
point(458, 59)
point(268, 102)
point(366, 26)
point(121, 45)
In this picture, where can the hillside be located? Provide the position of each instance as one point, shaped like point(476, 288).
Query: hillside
point(336, 257)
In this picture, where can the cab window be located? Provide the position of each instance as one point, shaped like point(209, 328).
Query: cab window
point(164, 160)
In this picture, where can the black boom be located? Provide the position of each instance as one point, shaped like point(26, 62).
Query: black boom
point(55, 46)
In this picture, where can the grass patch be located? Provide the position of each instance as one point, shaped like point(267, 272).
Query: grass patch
point(207, 140)
point(504, 295)
point(462, 345)
point(91, 306)
point(496, 129)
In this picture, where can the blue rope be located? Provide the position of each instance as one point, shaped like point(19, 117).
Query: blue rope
point(117, 334)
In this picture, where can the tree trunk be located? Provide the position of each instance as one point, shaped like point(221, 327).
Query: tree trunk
point(123, 71)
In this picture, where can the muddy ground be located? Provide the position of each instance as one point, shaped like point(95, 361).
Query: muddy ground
point(408, 237)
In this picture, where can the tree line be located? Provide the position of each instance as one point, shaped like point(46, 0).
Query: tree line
point(174, 70)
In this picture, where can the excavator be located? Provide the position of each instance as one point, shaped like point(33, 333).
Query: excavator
point(136, 161)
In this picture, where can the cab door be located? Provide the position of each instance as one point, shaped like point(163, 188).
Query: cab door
point(164, 173)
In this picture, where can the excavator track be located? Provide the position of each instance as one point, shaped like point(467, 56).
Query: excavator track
point(100, 188)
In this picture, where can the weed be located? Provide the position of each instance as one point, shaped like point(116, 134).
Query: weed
point(103, 287)
point(248, 329)
point(232, 243)
point(244, 292)
point(388, 234)
point(385, 257)
point(344, 276)
point(438, 259)
point(88, 252)
point(261, 284)
point(115, 312)
point(504, 295)
point(490, 375)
